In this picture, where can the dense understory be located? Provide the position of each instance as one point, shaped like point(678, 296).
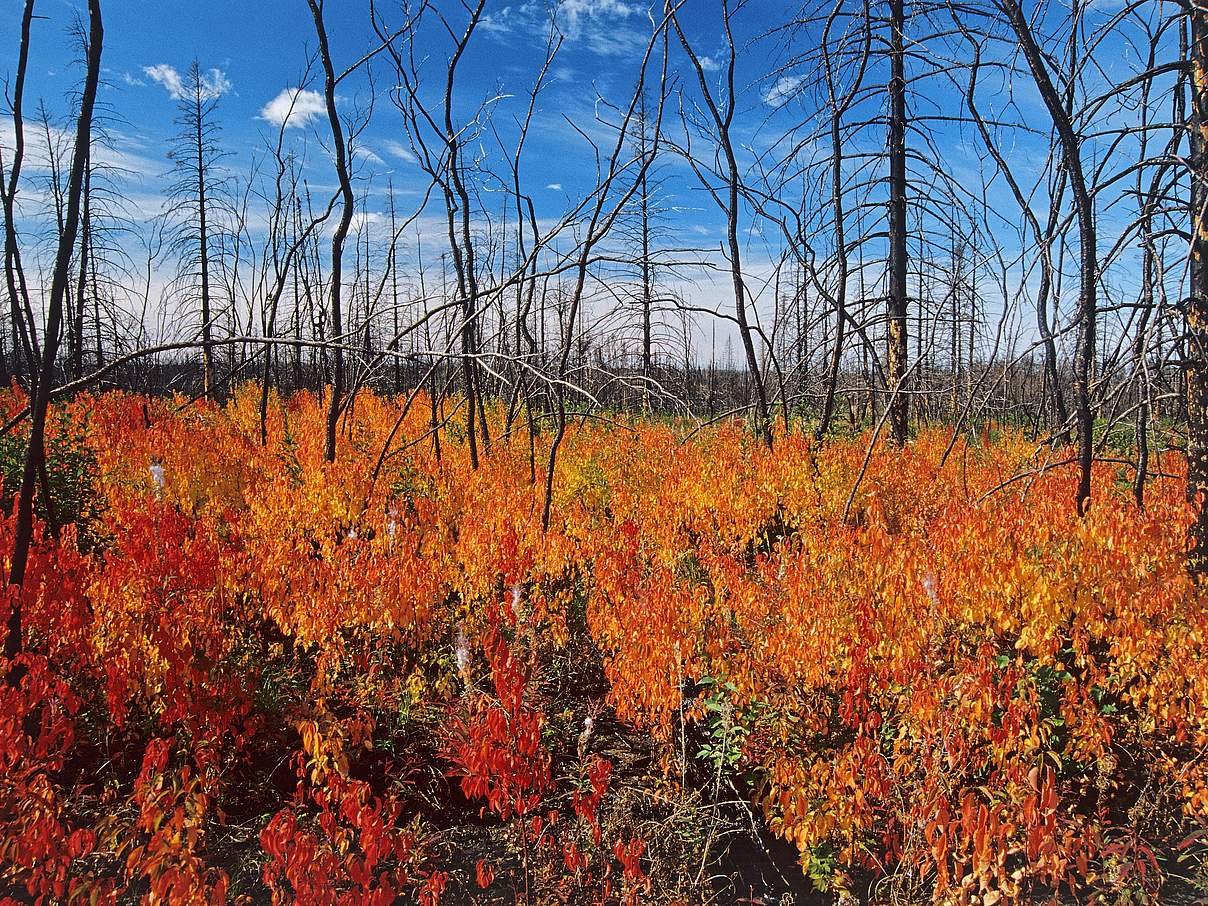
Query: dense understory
point(256, 675)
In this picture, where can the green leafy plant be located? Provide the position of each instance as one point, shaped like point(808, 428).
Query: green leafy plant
point(70, 472)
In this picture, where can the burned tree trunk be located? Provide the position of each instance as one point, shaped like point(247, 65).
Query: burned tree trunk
point(36, 453)
point(21, 346)
point(340, 152)
point(1088, 270)
point(1196, 311)
point(898, 347)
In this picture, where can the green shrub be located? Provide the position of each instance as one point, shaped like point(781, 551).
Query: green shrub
point(70, 470)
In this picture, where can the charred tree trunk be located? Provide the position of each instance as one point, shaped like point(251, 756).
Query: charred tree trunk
point(1196, 311)
point(1088, 256)
point(836, 174)
point(21, 348)
point(899, 404)
point(730, 192)
point(647, 291)
point(36, 453)
point(203, 247)
point(340, 150)
point(76, 335)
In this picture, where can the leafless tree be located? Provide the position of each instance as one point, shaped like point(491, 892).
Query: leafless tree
point(723, 180)
point(36, 450)
point(193, 197)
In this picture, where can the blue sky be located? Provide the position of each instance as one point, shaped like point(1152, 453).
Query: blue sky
point(254, 55)
point(256, 51)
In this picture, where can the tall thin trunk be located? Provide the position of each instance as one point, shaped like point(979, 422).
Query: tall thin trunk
point(203, 244)
point(832, 381)
point(393, 265)
point(1197, 304)
point(340, 149)
point(36, 453)
point(76, 336)
point(647, 288)
point(1088, 269)
point(899, 402)
point(955, 343)
point(647, 294)
point(733, 177)
point(21, 342)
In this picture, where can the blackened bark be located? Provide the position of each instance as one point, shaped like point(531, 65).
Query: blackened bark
point(21, 346)
point(35, 454)
point(1196, 311)
point(1088, 270)
point(899, 404)
point(340, 149)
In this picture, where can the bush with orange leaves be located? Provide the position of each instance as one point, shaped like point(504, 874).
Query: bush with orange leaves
point(945, 687)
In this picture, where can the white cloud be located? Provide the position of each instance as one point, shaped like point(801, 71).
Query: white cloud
point(498, 23)
point(784, 89)
point(122, 152)
point(213, 83)
point(367, 220)
point(168, 77)
point(606, 27)
point(366, 153)
point(399, 150)
point(556, 186)
point(294, 108)
point(577, 13)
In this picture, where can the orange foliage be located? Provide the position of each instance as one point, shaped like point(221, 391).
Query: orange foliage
point(972, 689)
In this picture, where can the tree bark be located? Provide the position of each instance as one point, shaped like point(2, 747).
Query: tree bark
point(899, 402)
point(203, 241)
point(21, 346)
point(1088, 270)
point(340, 148)
point(1196, 310)
point(35, 454)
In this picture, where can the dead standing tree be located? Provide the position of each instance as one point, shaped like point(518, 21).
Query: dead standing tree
point(724, 184)
point(895, 360)
point(439, 137)
point(346, 204)
point(1042, 236)
point(862, 71)
point(193, 194)
point(604, 209)
point(35, 455)
point(21, 349)
point(1196, 306)
point(1088, 271)
point(438, 145)
point(461, 245)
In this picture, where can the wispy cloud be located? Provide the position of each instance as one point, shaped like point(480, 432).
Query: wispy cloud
point(606, 27)
point(366, 153)
point(399, 150)
point(212, 84)
point(782, 90)
point(293, 108)
point(121, 153)
point(366, 220)
point(580, 13)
